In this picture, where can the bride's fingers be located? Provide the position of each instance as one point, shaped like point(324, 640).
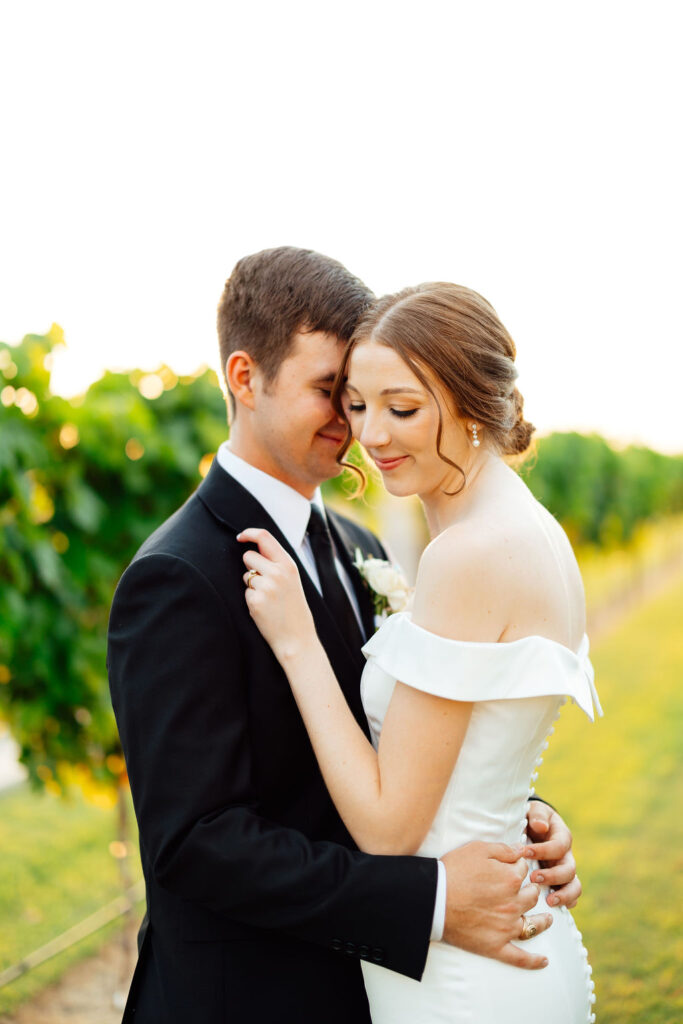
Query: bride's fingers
point(254, 560)
point(249, 577)
point(265, 542)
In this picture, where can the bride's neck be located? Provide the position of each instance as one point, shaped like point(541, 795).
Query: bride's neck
point(443, 509)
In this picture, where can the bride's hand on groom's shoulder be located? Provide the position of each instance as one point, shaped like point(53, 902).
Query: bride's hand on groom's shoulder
point(275, 596)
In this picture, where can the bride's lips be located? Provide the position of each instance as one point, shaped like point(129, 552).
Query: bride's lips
point(384, 465)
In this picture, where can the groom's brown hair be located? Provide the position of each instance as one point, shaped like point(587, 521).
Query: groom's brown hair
point(273, 294)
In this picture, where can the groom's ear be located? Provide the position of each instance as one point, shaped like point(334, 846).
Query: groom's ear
point(240, 374)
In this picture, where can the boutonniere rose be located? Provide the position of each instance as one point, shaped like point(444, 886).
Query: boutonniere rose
point(387, 584)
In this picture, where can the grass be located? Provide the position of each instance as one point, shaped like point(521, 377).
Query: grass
point(619, 784)
point(56, 870)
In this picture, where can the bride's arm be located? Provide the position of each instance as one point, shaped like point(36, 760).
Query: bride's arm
point(387, 799)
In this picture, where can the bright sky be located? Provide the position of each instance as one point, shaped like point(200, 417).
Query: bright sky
point(530, 150)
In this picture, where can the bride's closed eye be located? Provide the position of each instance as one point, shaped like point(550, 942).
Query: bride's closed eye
point(400, 413)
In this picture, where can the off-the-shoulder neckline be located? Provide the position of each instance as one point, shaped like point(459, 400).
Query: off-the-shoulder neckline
point(581, 653)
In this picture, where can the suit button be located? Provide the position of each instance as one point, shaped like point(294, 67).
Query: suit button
point(350, 948)
point(377, 955)
point(364, 952)
point(337, 944)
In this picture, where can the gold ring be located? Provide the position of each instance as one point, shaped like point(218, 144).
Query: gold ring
point(250, 576)
point(529, 929)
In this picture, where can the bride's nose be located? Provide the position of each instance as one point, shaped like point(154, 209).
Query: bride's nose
point(374, 433)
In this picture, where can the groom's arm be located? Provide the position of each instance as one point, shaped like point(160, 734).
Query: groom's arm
point(179, 692)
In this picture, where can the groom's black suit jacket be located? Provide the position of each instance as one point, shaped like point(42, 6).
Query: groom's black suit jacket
point(259, 905)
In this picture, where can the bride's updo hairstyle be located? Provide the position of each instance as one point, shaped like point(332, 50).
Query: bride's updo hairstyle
point(455, 335)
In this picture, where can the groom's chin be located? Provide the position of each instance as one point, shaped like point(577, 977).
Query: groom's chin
point(323, 468)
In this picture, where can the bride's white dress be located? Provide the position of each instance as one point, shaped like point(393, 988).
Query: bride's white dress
point(518, 688)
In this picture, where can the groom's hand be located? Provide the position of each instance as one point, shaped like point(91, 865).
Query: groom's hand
point(485, 902)
point(550, 843)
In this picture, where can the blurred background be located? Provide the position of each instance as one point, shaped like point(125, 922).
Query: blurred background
point(529, 151)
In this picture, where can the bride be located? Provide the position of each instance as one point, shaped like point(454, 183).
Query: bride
point(461, 691)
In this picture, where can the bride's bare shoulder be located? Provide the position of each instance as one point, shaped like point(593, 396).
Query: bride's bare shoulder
point(502, 576)
point(458, 592)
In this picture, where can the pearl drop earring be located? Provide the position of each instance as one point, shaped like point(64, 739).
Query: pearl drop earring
point(475, 440)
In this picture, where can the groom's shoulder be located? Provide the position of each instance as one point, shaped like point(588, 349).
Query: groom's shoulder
point(186, 534)
point(183, 554)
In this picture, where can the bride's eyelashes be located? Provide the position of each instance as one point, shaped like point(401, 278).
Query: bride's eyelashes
point(403, 413)
point(400, 413)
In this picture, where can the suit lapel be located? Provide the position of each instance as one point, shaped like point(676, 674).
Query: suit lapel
point(346, 549)
point(237, 509)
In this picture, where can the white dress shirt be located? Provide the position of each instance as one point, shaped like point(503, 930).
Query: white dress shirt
point(291, 511)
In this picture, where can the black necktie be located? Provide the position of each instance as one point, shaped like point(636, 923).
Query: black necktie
point(334, 594)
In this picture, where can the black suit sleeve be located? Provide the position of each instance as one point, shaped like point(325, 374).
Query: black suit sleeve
point(178, 689)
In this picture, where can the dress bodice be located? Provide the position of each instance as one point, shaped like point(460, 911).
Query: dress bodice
point(517, 689)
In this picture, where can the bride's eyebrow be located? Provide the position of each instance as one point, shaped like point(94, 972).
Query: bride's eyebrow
point(389, 391)
point(400, 391)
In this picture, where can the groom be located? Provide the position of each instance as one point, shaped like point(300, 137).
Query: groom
point(259, 906)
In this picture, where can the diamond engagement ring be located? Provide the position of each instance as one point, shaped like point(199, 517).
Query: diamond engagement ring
point(250, 576)
point(529, 929)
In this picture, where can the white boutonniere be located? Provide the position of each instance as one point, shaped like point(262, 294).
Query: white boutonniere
point(387, 585)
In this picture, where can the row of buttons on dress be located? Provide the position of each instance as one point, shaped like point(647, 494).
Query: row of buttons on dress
point(590, 984)
point(538, 762)
point(376, 955)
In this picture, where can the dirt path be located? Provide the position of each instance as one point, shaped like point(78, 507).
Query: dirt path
point(92, 992)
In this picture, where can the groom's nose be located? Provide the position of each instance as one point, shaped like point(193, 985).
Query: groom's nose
point(337, 422)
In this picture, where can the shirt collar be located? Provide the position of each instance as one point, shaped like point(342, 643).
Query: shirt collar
point(289, 509)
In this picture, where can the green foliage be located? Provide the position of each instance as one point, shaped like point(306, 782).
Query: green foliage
point(600, 495)
point(81, 485)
